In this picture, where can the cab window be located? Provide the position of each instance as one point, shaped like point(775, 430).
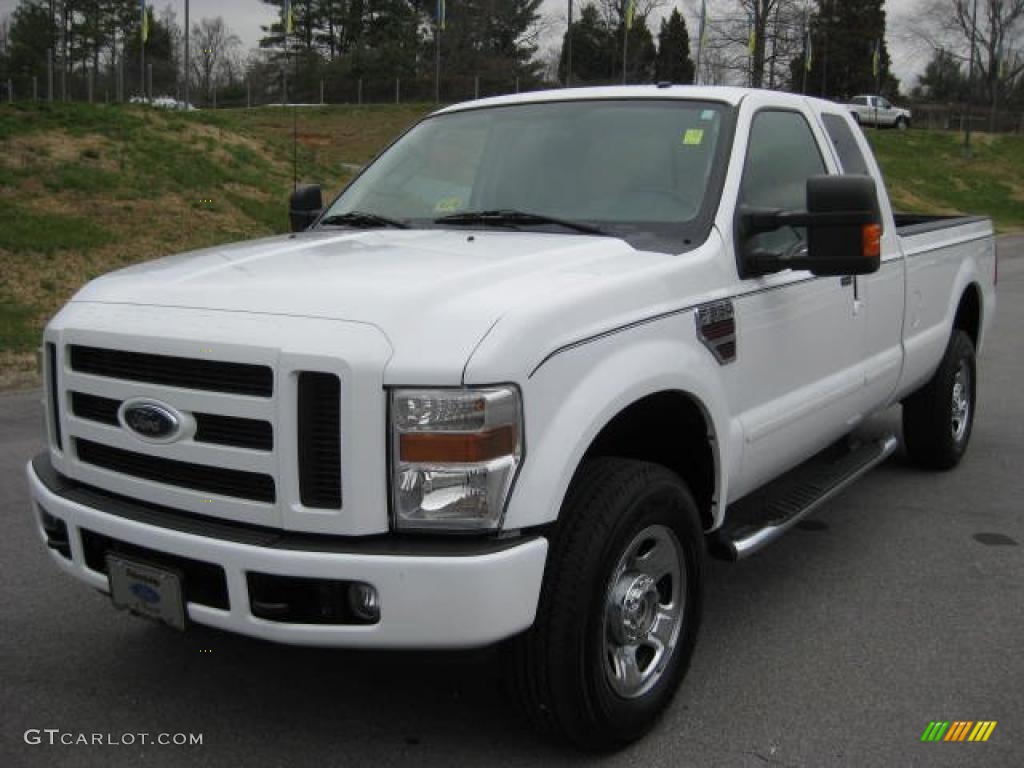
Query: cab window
point(781, 155)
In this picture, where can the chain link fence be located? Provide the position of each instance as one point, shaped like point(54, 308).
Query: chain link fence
point(118, 83)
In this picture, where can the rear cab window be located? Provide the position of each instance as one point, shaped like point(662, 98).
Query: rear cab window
point(839, 132)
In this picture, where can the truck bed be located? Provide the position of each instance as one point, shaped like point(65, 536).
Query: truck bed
point(918, 223)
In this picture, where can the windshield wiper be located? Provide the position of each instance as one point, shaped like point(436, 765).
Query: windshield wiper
point(510, 217)
point(363, 219)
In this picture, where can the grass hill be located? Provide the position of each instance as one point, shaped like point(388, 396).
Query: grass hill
point(87, 189)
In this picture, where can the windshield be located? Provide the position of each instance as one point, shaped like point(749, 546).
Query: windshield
point(636, 169)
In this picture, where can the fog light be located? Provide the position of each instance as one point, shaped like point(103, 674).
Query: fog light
point(364, 602)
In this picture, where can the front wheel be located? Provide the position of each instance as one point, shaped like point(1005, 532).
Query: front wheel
point(939, 417)
point(619, 609)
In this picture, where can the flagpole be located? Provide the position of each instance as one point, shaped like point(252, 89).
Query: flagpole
point(700, 39)
point(568, 50)
point(627, 22)
point(970, 78)
point(437, 55)
point(625, 50)
point(188, 73)
point(142, 50)
point(807, 53)
point(877, 64)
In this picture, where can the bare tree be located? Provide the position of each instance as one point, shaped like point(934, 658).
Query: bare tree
point(214, 44)
point(751, 42)
point(949, 25)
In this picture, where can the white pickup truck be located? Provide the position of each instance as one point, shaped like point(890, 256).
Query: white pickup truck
point(878, 111)
point(543, 357)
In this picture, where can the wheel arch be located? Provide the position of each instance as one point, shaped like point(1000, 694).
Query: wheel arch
point(671, 428)
point(967, 317)
point(578, 401)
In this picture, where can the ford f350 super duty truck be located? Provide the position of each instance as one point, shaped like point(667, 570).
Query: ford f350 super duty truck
point(540, 359)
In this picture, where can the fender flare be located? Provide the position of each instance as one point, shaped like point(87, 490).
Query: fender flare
point(576, 393)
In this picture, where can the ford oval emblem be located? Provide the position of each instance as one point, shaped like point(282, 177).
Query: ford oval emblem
point(145, 593)
point(151, 421)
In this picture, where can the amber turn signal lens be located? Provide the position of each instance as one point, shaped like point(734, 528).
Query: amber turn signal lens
point(457, 448)
point(871, 240)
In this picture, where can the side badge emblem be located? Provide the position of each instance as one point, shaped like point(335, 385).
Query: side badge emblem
point(716, 330)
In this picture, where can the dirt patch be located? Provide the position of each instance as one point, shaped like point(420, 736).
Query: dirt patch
point(315, 139)
point(141, 230)
point(59, 148)
point(200, 130)
point(244, 190)
point(906, 201)
point(18, 370)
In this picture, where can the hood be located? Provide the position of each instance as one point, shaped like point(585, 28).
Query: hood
point(434, 293)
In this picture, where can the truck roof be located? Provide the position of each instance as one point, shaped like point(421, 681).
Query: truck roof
point(728, 94)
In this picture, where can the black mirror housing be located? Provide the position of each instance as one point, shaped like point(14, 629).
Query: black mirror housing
point(852, 248)
point(305, 206)
point(843, 223)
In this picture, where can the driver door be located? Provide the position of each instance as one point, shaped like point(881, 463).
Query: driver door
point(797, 373)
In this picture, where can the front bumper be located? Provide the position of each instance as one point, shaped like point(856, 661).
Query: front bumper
point(446, 594)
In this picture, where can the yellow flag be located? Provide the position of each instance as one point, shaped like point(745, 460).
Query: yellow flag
point(752, 42)
point(630, 12)
point(289, 18)
point(145, 22)
point(875, 58)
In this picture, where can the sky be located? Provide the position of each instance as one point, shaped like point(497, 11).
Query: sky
point(245, 17)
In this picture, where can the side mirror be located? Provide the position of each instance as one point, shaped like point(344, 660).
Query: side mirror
point(843, 224)
point(305, 206)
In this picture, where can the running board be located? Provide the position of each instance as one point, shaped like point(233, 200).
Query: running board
point(803, 491)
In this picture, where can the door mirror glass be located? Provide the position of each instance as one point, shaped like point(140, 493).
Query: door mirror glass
point(843, 226)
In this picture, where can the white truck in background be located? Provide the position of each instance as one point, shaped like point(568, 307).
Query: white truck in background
point(537, 362)
point(878, 111)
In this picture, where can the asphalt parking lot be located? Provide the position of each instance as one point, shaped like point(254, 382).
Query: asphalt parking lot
point(901, 603)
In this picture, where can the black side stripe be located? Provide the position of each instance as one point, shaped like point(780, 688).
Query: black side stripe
point(680, 311)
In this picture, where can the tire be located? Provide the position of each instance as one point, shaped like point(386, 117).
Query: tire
point(561, 670)
point(902, 124)
point(939, 417)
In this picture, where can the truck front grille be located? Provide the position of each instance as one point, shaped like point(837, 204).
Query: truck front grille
point(319, 443)
point(255, 434)
point(197, 477)
point(189, 373)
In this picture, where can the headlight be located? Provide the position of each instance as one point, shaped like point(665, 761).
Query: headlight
point(454, 455)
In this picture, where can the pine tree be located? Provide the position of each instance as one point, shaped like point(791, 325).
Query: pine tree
point(673, 63)
point(593, 48)
point(844, 35)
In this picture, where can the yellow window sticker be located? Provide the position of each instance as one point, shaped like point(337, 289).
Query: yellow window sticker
point(448, 205)
point(693, 136)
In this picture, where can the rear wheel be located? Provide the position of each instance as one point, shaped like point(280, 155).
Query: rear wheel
point(902, 124)
point(620, 607)
point(939, 417)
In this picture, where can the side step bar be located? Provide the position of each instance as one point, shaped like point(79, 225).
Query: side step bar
point(809, 490)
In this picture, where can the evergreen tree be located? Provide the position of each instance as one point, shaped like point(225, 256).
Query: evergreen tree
point(30, 34)
point(640, 53)
point(844, 36)
point(489, 38)
point(943, 79)
point(673, 63)
point(593, 48)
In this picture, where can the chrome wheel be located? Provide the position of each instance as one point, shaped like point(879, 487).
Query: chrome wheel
point(960, 408)
point(643, 611)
